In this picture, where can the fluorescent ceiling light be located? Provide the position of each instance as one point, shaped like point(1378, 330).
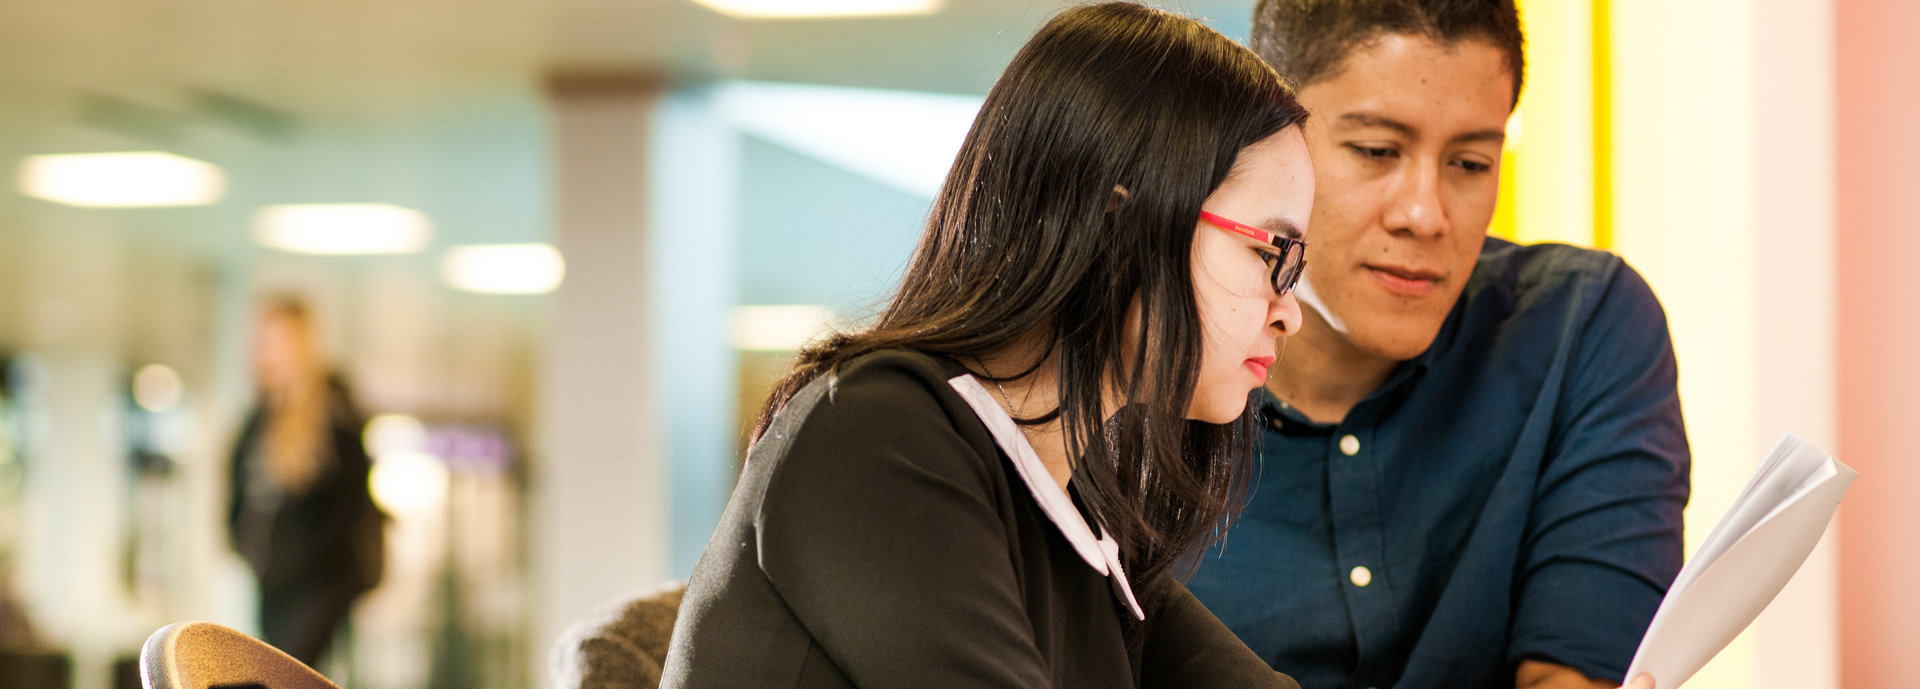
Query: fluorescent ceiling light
point(389, 434)
point(157, 388)
point(779, 328)
point(343, 228)
point(504, 268)
point(903, 139)
point(797, 9)
point(409, 483)
point(121, 180)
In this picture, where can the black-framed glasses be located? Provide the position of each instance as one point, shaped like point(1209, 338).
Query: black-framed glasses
point(1291, 261)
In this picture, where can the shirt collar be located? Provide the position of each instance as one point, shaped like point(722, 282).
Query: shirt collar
point(1099, 551)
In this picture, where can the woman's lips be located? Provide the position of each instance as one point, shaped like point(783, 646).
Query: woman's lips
point(1405, 282)
point(1259, 365)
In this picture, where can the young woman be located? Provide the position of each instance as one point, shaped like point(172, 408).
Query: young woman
point(993, 485)
point(299, 508)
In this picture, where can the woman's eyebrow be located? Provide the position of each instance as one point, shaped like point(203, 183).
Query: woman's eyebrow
point(1283, 227)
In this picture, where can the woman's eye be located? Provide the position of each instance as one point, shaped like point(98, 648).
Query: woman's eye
point(1267, 257)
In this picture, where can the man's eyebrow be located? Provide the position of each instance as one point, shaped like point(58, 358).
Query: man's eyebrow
point(1283, 227)
point(1365, 119)
point(1494, 135)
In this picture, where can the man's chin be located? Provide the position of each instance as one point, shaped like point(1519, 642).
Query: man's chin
point(1389, 337)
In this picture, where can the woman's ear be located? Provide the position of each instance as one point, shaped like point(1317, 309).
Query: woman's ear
point(1118, 197)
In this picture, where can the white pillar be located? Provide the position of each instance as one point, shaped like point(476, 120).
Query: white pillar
point(75, 464)
point(696, 160)
point(599, 483)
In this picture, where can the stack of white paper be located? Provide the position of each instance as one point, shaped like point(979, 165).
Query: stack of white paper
point(1745, 561)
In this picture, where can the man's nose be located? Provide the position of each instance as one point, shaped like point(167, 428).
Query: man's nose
point(1414, 206)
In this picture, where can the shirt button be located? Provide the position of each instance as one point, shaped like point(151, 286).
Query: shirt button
point(1360, 576)
point(1349, 445)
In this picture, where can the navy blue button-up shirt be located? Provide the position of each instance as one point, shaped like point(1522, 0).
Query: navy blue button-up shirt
point(1513, 493)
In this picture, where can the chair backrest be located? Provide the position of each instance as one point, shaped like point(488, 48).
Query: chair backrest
point(204, 655)
point(622, 645)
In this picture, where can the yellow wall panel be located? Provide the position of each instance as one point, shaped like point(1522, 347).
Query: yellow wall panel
point(1553, 155)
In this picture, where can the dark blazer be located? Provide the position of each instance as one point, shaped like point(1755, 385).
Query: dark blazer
point(881, 538)
point(329, 535)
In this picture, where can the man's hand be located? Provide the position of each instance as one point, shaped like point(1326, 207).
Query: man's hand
point(1534, 674)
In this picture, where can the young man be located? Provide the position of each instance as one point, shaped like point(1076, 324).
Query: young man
point(1474, 463)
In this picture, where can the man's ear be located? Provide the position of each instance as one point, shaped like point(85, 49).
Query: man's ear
point(1118, 197)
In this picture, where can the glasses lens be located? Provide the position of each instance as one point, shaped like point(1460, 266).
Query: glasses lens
point(1286, 273)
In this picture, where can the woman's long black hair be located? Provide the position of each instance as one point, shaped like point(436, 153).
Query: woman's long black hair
point(1025, 242)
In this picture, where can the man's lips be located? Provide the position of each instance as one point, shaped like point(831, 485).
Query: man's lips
point(1259, 365)
point(1404, 281)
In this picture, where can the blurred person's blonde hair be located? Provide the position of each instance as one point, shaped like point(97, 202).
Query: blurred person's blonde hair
point(297, 438)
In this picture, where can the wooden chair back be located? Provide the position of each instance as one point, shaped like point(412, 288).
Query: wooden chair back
point(204, 655)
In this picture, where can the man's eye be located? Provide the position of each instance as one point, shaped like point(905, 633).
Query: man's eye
point(1374, 152)
point(1474, 166)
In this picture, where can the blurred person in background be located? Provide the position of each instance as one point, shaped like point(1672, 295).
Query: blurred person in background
point(1475, 463)
point(997, 484)
point(301, 513)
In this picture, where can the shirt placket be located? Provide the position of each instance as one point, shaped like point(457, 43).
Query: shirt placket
point(1359, 544)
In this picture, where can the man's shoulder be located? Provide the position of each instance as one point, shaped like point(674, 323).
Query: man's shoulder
point(1524, 269)
point(1562, 291)
point(1524, 277)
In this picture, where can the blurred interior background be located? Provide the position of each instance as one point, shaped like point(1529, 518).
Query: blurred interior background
point(558, 249)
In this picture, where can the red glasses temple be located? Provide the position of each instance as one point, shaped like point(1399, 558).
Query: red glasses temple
point(1242, 228)
point(1291, 263)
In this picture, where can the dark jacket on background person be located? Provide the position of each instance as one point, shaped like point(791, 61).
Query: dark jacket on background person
point(880, 538)
point(313, 551)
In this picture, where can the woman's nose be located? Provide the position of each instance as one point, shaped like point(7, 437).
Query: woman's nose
point(1283, 314)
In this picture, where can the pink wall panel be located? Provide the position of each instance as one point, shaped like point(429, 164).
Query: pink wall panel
point(1878, 122)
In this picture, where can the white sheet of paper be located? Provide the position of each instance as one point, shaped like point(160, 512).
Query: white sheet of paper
point(1747, 558)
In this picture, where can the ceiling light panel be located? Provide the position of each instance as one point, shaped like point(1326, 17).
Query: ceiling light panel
point(504, 268)
point(343, 228)
point(121, 180)
point(816, 9)
point(781, 327)
point(903, 139)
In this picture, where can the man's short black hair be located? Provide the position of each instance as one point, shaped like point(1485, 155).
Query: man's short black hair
point(1307, 40)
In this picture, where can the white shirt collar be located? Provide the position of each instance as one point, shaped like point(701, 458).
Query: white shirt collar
point(1099, 551)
